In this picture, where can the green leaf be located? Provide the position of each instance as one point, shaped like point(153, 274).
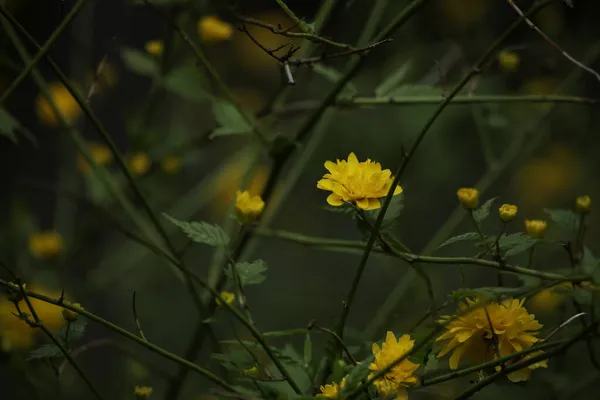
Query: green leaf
point(230, 119)
point(235, 360)
point(582, 296)
point(393, 80)
point(391, 215)
point(484, 211)
point(589, 264)
point(188, 82)
point(250, 273)
point(343, 209)
point(333, 75)
point(201, 232)
point(76, 330)
point(460, 238)
point(356, 375)
point(565, 219)
point(516, 243)
point(307, 350)
point(45, 351)
point(140, 62)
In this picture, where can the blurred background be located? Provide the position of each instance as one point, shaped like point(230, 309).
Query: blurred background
point(537, 156)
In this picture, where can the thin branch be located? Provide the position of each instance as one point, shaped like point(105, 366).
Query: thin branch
point(135, 317)
point(313, 325)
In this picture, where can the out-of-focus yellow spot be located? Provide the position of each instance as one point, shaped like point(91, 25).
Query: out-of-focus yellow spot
point(213, 29)
point(548, 178)
point(154, 47)
point(99, 152)
point(254, 58)
point(64, 101)
point(139, 163)
point(508, 60)
point(171, 164)
point(45, 245)
point(463, 12)
point(546, 301)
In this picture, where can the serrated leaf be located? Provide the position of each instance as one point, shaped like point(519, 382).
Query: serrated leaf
point(565, 219)
point(250, 273)
point(333, 75)
point(516, 243)
point(356, 375)
point(201, 232)
point(307, 349)
point(484, 211)
point(460, 238)
point(45, 351)
point(391, 215)
point(140, 62)
point(76, 330)
point(188, 82)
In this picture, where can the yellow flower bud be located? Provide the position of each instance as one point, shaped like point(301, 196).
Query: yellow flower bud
point(212, 29)
point(468, 197)
point(508, 60)
point(71, 316)
point(142, 392)
point(139, 163)
point(535, 228)
point(45, 245)
point(248, 207)
point(228, 297)
point(154, 47)
point(507, 212)
point(65, 103)
point(583, 204)
point(171, 164)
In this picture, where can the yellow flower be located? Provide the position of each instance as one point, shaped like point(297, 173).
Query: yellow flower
point(71, 316)
point(248, 207)
point(142, 392)
point(397, 379)
point(99, 152)
point(154, 47)
point(64, 101)
point(15, 333)
point(507, 212)
point(45, 245)
point(228, 297)
point(171, 164)
point(332, 391)
point(583, 204)
point(212, 29)
point(468, 197)
point(535, 228)
point(139, 163)
point(362, 183)
point(546, 300)
point(508, 60)
point(471, 337)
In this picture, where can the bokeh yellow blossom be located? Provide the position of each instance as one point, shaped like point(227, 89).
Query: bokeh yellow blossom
point(536, 228)
point(332, 390)
point(248, 207)
point(508, 60)
point(64, 101)
point(171, 164)
point(213, 29)
point(507, 212)
point(401, 376)
point(583, 204)
point(142, 392)
point(546, 300)
point(228, 297)
point(486, 332)
point(361, 183)
point(154, 47)
point(46, 245)
point(139, 163)
point(99, 152)
point(468, 198)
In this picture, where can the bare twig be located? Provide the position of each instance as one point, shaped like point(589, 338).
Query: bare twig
point(135, 316)
point(313, 325)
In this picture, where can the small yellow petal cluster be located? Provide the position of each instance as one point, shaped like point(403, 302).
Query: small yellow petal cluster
point(154, 47)
point(139, 163)
point(212, 29)
point(401, 376)
point(100, 153)
point(470, 336)
point(536, 228)
point(583, 204)
point(228, 297)
point(64, 101)
point(142, 392)
point(332, 391)
point(507, 212)
point(248, 207)
point(508, 60)
point(171, 164)
point(362, 183)
point(69, 315)
point(468, 198)
point(15, 334)
point(45, 245)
